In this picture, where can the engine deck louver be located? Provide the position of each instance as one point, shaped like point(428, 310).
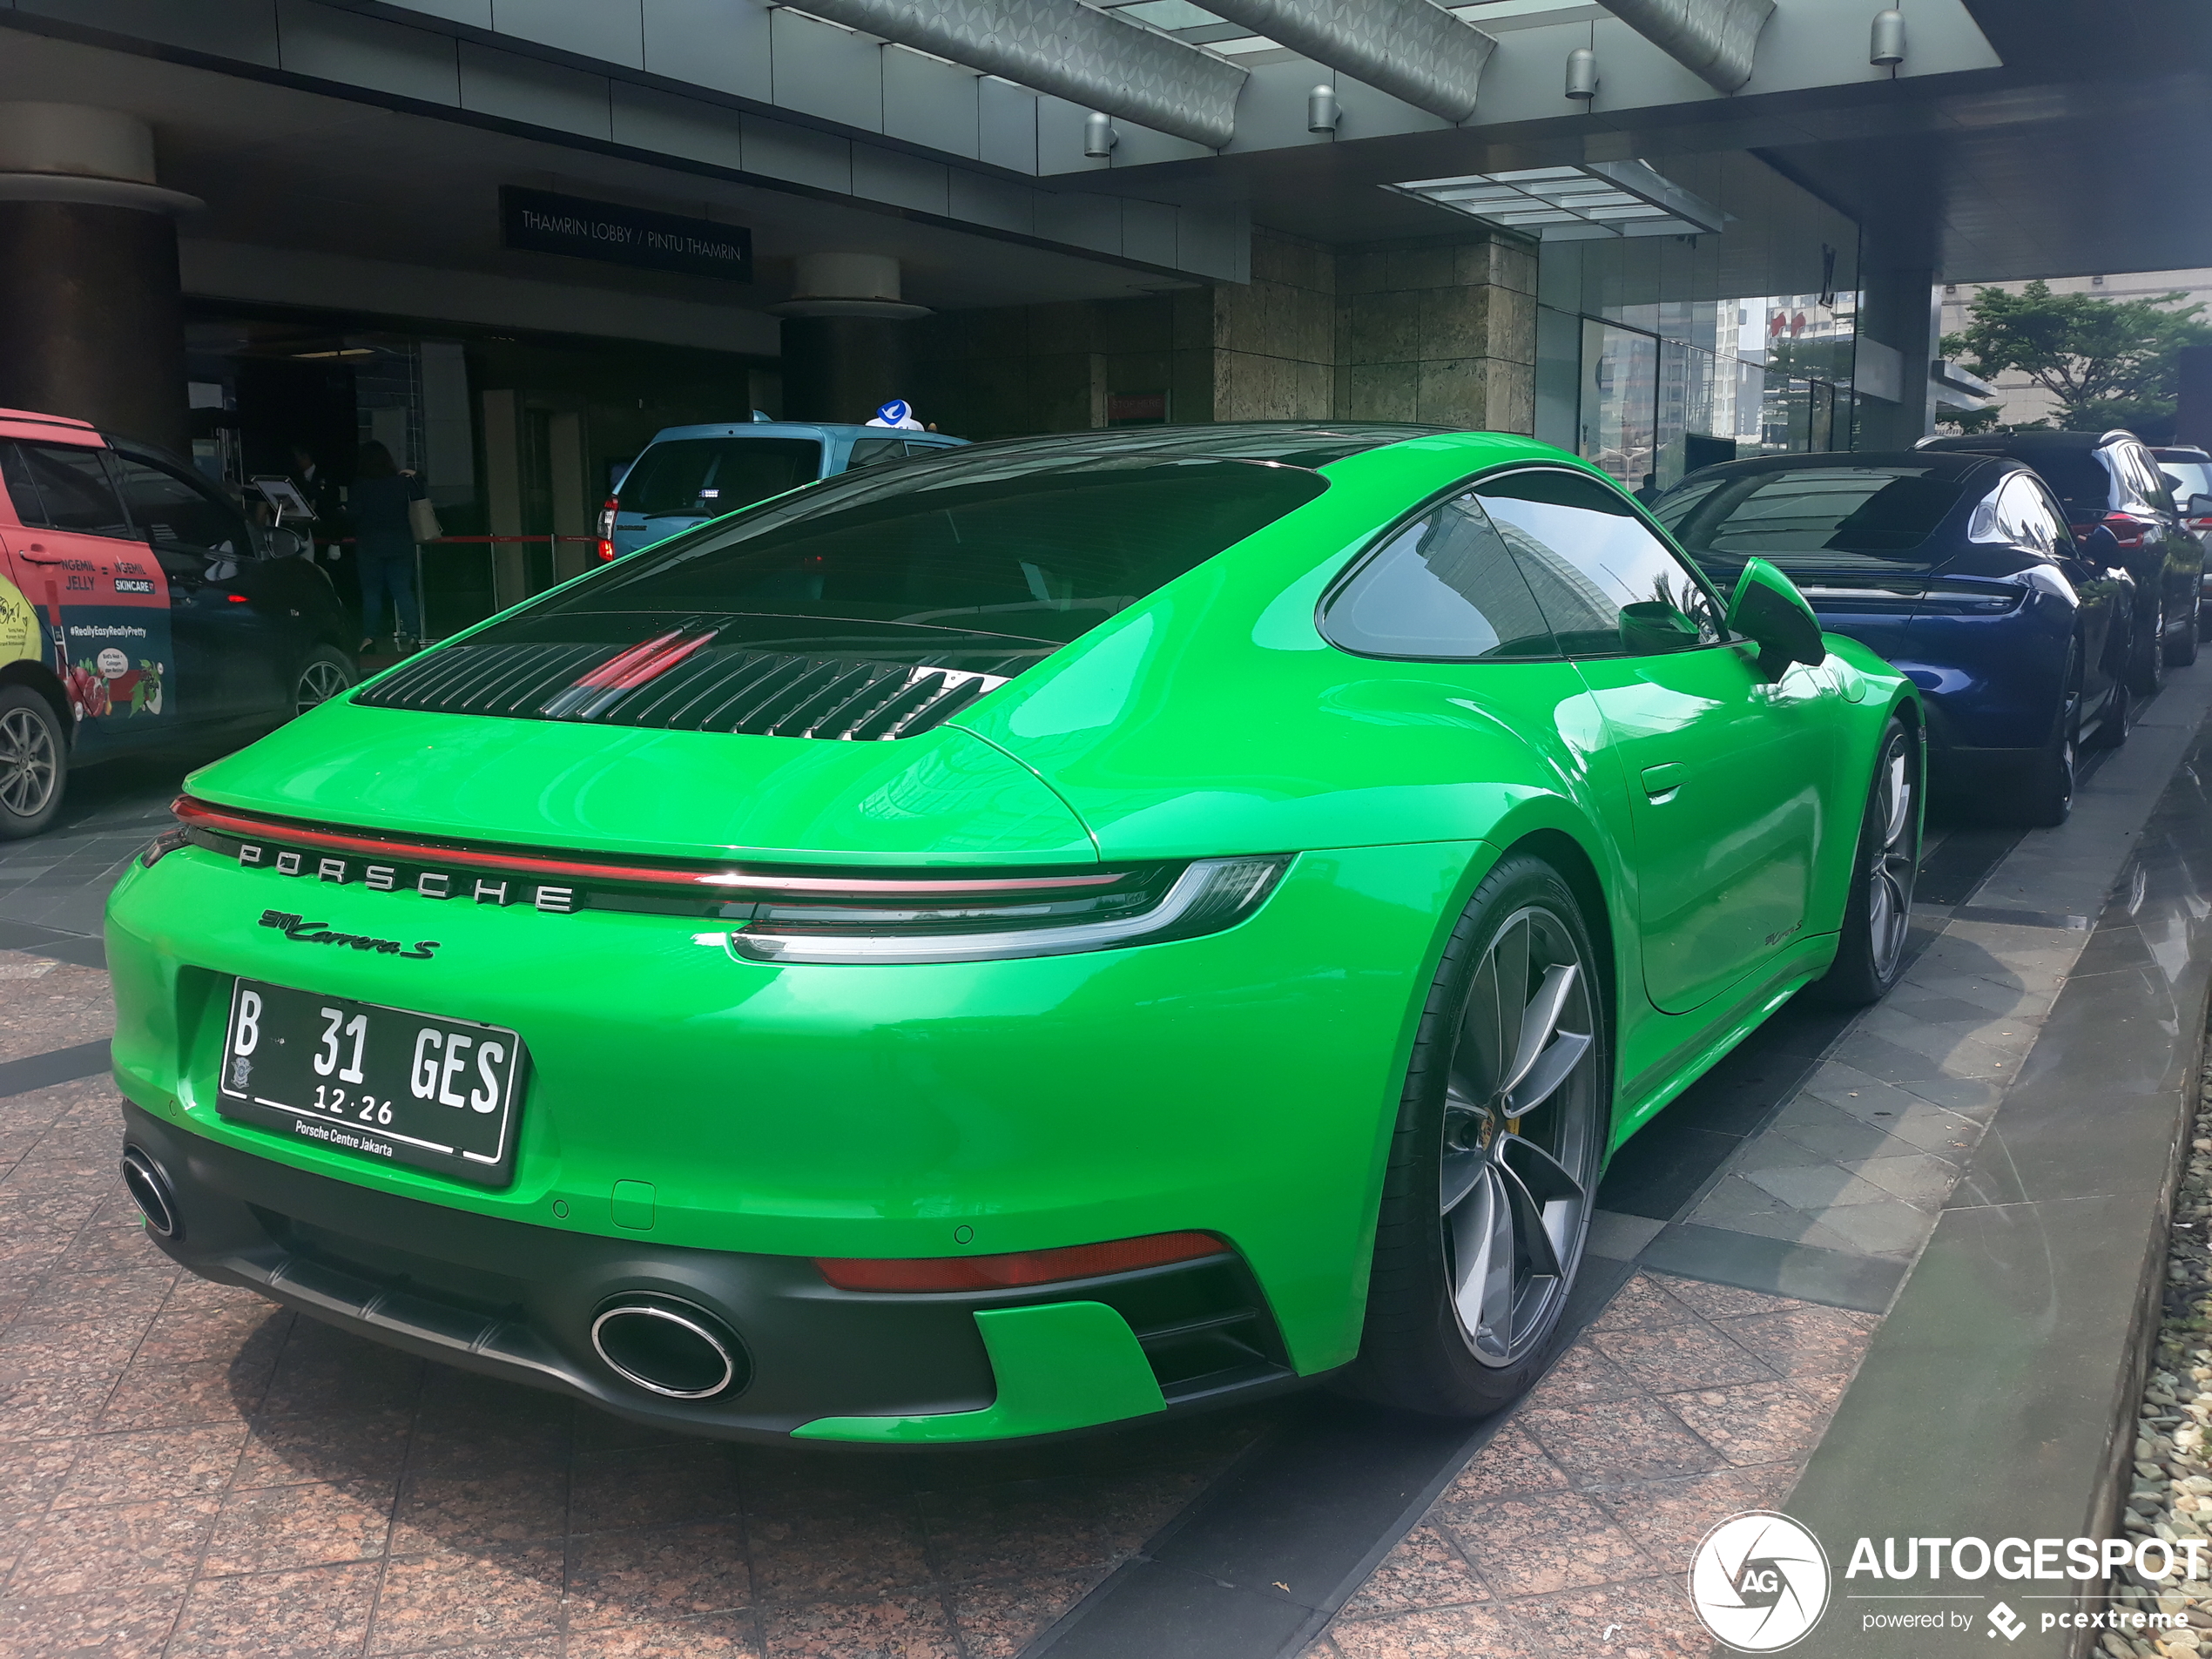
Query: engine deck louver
point(683, 682)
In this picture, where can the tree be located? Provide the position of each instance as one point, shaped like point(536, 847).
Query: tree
point(2108, 362)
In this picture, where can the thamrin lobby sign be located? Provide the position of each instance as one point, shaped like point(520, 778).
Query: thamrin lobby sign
point(544, 222)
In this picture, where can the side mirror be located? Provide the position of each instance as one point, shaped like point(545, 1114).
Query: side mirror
point(1652, 627)
point(2199, 506)
point(1770, 612)
point(284, 544)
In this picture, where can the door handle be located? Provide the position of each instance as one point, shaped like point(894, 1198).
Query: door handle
point(1660, 782)
point(36, 553)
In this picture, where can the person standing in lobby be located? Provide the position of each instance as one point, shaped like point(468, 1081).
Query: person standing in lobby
point(384, 545)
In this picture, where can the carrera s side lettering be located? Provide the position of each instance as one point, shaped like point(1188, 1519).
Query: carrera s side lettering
point(302, 932)
point(392, 878)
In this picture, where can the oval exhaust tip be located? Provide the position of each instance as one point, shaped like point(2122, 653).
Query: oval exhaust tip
point(669, 1347)
point(151, 1191)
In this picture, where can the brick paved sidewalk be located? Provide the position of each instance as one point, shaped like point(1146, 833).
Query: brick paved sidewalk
point(188, 1471)
point(1571, 1532)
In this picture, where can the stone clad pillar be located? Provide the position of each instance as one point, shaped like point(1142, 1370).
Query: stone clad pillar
point(1441, 329)
point(844, 347)
point(92, 320)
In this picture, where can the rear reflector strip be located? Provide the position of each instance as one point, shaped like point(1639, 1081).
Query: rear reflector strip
point(723, 883)
point(1021, 1268)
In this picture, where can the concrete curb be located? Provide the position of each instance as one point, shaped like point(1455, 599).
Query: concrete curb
point(1999, 1399)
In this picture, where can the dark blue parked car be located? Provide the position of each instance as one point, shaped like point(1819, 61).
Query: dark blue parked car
point(1961, 570)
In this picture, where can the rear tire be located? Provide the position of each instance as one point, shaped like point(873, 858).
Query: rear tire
point(2047, 791)
point(2117, 720)
point(1879, 913)
point(33, 762)
point(1494, 1167)
point(2181, 649)
point(2150, 674)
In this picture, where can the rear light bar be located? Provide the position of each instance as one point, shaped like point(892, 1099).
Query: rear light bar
point(727, 882)
point(1208, 896)
point(1019, 1269)
point(2127, 529)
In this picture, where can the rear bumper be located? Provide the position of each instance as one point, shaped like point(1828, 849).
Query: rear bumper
point(513, 1300)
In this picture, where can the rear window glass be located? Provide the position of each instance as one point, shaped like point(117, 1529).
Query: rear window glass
point(1008, 546)
point(1813, 515)
point(2076, 476)
point(2189, 478)
point(687, 477)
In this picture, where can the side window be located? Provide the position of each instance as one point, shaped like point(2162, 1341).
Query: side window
point(74, 489)
point(22, 487)
point(2150, 483)
point(868, 451)
point(2131, 490)
point(2056, 534)
point(2018, 514)
point(1588, 556)
point(177, 516)
point(1443, 588)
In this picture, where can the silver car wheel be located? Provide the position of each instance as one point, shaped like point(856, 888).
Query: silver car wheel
point(1520, 1151)
point(319, 681)
point(29, 768)
point(1895, 863)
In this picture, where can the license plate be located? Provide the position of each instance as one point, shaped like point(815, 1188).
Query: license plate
point(385, 1084)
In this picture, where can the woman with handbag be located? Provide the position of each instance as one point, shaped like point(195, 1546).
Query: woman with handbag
point(385, 504)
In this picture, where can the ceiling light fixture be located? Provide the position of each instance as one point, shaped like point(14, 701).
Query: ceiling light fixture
point(1573, 203)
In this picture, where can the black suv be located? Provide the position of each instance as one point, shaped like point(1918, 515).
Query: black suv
point(2113, 489)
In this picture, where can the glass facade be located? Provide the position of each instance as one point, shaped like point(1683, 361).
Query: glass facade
point(1657, 356)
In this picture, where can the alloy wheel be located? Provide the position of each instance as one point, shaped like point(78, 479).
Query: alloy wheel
point(1520, 1143)
point(29, 768)
point(1895, 864)
point(319, 681)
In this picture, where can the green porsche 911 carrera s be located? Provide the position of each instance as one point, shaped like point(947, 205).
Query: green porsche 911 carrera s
point(1071, 929)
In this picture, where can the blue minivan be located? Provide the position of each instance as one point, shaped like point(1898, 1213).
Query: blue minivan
point(689, 474)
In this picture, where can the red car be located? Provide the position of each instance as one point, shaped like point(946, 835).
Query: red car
point(139, 606)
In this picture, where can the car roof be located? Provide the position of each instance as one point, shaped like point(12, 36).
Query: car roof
point(795, 430)
point(2028, 443)
point(54, 428)
point(1941, 463)
point(1303, 443)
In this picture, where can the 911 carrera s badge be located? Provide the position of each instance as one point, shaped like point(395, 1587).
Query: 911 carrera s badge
point(302, 932)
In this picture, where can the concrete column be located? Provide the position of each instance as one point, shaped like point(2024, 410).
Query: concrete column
point(845, 345)
point(844, 369)
point(1899, 312)
point(91, 320)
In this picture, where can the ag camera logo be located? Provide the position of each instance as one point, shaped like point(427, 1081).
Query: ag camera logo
point(1759, 1582)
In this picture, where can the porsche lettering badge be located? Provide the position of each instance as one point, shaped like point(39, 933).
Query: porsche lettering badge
point(398, 878)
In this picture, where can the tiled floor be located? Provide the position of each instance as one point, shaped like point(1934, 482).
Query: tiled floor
point(186, 1471)
point(1571, 1532)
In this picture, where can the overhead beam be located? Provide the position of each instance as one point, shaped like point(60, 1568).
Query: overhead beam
point(1071, 50)
point(1412, 50)
point(1713, 39)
